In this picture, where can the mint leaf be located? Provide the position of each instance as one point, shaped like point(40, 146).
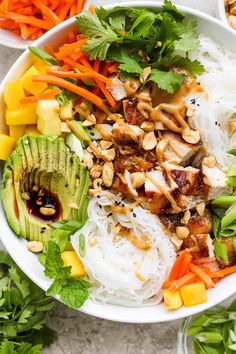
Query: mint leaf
point(54, 262)
point(74, 293)
point(56, 287)
point(166, 80)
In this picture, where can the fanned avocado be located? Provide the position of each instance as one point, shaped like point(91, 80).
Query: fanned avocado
point(43, 181)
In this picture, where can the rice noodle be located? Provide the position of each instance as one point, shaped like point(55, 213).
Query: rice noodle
point(213, 112)
point(120, 272)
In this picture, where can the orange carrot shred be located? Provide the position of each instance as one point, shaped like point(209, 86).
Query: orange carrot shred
point(53, 80)
point(43, 96)
point(91, 8)
point(223, 272)
point(200, 273)
point(185, 280)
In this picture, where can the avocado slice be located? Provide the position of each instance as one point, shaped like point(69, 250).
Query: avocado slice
point(43, 181)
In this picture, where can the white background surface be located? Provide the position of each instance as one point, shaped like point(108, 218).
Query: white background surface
point(81, 334)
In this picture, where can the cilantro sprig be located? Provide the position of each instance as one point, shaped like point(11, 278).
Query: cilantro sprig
point(73, 292)
point(23, 307)
point(139, 37)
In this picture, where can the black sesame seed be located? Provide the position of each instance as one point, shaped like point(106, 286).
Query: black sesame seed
point(198, 104)
point(100, 206)
point(92, 134)
point(110, 214)
point(216, 122)
point(134, 215)
point(193, 101)
point(98, 196)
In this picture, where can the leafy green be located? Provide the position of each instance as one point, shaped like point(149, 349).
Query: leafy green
point(44, 56)
point(214, 330)
point(137, 38)
point(166, 80)
point(22, 311)
point(63, 230)
point(73, 292)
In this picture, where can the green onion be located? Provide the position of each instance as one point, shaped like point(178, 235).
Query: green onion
point(232, 152)
point(224, 201)
point(221, 251)
point(44, 56)
point(230, 217)
point(209, 337)
point(231, 171)
point(81, 245)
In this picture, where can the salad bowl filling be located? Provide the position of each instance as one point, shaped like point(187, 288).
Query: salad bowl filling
point(119, 162)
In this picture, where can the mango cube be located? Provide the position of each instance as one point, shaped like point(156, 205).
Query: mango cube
point(49, 127)
point(172, 299)
point(48, 109)
point(29, 85)
point(41, 66)
point(70, 258)
point(21, 116)
point(32, 129)
point(66, 111)
point(6, 146)
point(16, 131)
point(13, 93)
point(193, 294)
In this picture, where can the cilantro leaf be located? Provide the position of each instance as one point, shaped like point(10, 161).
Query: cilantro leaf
point(141, 25)
point(194, 67)
point(128, 63)
point(186, 43)
point(22, 284)
point(172, 9)
point(102, 35)
point(8, 347)
point(166, 80)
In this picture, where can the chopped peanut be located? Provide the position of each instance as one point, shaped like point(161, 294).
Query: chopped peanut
point(182, 232)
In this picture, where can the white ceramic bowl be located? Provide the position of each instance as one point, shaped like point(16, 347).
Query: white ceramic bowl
point(29, 263)
point(13, 41)
point(221, 11)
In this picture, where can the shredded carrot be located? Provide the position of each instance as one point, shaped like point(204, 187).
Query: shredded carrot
point(188, 278)
point(88, 74)
point(223, 272)
point(43, 96)
point(96, 64)
point(53, 80)
point(50, 51)
point(67, 49)
point(106, 93)
point(185, 264)
point(19, 16)
point(91, 8)
point(105, 69)
point(71, 37)
point(199, 272)
point(113, 68)
point(174, 274)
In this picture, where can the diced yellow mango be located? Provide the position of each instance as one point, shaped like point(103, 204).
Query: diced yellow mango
point(41, 66)
point(6, 146)
point(16, 131)
point(49, 126)
point(193, 294)
point(70, 258)
point(66, 112)
point(48, 109)
point(172, 299)
point(29, 85)
point(21, 116)
point(13, 93)
point(32, 129)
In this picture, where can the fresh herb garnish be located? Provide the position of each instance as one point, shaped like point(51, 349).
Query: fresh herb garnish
point(63, 230)
point(73, 292)
point(23, 307)
point(44, 56)
point(214, 330)
point(137, 38)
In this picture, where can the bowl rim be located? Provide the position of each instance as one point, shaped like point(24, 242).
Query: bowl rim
point(110, 311)
point(222, 12)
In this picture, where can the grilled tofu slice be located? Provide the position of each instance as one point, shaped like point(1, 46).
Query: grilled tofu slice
point(161, 184)
point(216, 180)
point(131, 113)
point(185, 177)
point(177, 149)
point(118, 89)
point(126, 133)
point(198, 224)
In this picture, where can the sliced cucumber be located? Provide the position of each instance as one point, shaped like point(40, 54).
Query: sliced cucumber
point(75, 144)
point(79, 130)
point(93, 133)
